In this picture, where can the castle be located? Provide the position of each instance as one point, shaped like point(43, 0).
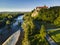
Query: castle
point(37, 9)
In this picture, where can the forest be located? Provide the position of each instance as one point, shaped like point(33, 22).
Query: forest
point(35, 27)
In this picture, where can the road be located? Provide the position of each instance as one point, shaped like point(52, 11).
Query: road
point(6, 33)
point(51, 41)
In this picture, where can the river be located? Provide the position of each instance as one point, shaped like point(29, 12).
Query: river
point(14, 27)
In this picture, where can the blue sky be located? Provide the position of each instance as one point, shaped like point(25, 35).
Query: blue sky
point(25, 5)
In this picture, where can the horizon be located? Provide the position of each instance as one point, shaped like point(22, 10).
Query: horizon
point(25, 5)
point(19, 10)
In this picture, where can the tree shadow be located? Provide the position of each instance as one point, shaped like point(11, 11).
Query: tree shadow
point(55, 32)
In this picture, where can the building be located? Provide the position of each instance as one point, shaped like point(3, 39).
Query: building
point(38, 8)
point(35, 13)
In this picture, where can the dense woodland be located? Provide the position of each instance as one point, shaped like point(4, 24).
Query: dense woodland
point(35, 27)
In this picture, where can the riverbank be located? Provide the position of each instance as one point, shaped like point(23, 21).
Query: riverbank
point(12, 39)
point(19, 42)
point(6, 33)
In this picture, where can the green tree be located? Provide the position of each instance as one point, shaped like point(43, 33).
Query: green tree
point(42, 35)
point(57, 21)
point(26, 33)
point(42, 32)
point(8, 23)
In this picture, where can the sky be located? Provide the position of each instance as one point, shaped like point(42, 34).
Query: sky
point(25, 5)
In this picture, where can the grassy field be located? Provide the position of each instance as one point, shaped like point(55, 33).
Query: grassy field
point(55, 35)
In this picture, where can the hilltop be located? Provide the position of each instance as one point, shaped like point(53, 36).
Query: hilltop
point(37, 22)
point(37, 9)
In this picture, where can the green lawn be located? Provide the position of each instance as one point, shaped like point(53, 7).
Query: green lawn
point(55, 35)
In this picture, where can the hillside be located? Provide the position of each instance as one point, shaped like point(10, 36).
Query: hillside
point(36, 23)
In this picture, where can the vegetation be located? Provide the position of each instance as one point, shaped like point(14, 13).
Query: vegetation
point(34, 38)
point(50, 15)
point(33, 35)
point(42, 32)
point(55, 35)
point(7, 17)
point(35, 27)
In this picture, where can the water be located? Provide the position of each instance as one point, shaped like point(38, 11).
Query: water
point(12, 39)
point(14, 27)
point(19, 19)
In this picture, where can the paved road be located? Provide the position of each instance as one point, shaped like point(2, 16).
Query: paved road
point(15, 27)
point(51, 41)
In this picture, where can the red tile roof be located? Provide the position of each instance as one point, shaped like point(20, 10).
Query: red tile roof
point(42, 7)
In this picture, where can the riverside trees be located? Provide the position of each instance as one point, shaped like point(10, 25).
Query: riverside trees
point(4, 16)
point(34, 35)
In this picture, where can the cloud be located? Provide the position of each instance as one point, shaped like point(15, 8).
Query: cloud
point(14, 10)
